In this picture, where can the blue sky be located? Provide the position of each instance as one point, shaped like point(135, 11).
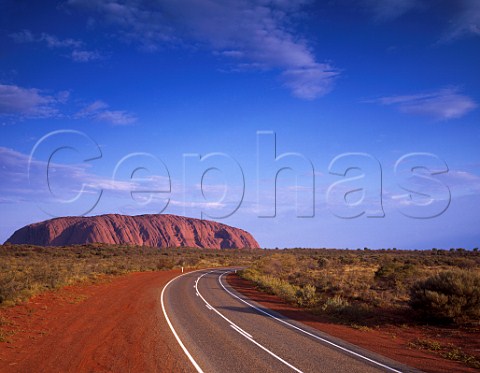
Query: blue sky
point(308, 123)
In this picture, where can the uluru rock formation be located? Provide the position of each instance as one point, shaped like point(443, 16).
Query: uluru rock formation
point(148, 230)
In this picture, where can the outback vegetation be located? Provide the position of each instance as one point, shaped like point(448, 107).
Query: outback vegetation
point(27, 270)
point(439, 285)
point(434, 294)
point(360, 288)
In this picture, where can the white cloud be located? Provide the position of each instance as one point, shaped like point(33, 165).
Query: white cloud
point(116, 117)
point(24, 36)
point(62, 96)
point(466, 22)
point(198, 205)
point(310, 82)
point(444, 104)
point(54, 42)
point(461, 182)
point(232, 53)
point(99, 111)
point(391, 9)
point(463, 15)
point(254, 33)
point(51, 41)
point(85, 56)
point(70, 189)
point(33, 103)
point(92, 108)
point(78, 52)
point(16, 184)
point(29, 102)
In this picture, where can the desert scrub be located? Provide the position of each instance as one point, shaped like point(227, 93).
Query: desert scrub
point(271, 284)
point(306, 296)
point(335, 304)
point(452, 296)
point(448, 351)
point(303, 296)
point(457, 354)
point(28, 270)
point(343, 310)
point(393, 274)
point(425, 344)
point(278, 265)
point(368, 280)
point(4, 336)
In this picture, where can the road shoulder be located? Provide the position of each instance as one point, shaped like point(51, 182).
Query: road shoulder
point(114, 325)
point(387, 342)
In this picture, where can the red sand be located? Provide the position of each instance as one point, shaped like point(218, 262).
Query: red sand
point(116, 325)
point(388, 340)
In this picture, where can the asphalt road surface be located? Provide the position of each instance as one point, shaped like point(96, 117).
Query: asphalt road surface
point(221, 330)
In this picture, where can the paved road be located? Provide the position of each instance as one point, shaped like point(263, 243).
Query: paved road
point(220, 330)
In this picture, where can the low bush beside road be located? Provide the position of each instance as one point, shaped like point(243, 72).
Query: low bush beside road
point(413, 297)
point(440, 285)
point(452, 296)
point(27, 270)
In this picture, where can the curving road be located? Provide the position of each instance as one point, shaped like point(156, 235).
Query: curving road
point(222, 331)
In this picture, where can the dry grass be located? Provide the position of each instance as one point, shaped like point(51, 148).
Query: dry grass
point(448, 351)
point(355, 285)
point(366, 289)
point(28, 270)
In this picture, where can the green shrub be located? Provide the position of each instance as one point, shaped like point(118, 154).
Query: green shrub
point(448, 296)
point(271, 284)
point(393, 275)
point(302, 295)
point(165, 263)
point(335, 304)
point(27, 270)
point(278, 265)
point(306, 296)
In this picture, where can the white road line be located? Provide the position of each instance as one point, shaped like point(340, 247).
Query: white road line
point(244, 334)
point(306, 332)
point(241, 331)
point(190, 357)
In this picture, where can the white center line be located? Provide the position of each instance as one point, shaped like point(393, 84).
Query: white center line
point(241, 331)
point(190, 357)
point(238, 329)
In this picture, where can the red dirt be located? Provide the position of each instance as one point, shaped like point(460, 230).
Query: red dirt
point(113, 326)
point(388, 340)
point(118, 326)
